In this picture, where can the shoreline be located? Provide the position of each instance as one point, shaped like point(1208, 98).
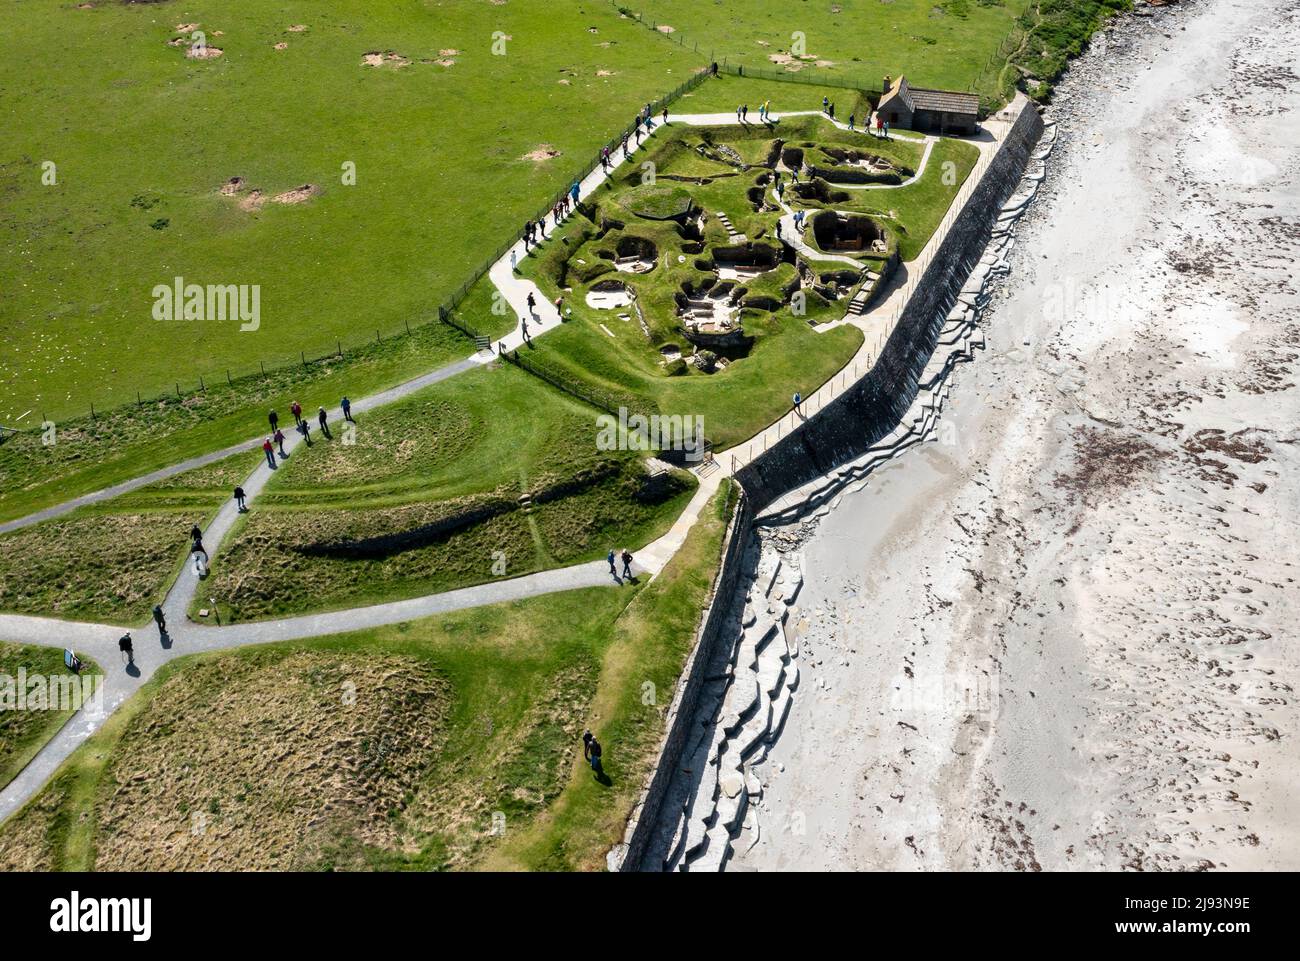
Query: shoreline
point(1055, 639)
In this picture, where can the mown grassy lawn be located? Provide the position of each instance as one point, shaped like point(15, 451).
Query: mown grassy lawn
point(24, 732)
point(462, 734)
point(114, 560)
point(143, 138)
point(427, 498)
point(939, 43)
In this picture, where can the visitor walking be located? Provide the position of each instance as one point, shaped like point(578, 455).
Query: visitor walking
point(523, 329)
point(514, 261)
point(126, 647)
point(627, 563)
point(665, 116)
point(797, 401)
point(305, 429)
point(296, 409)
point(274, 418)
point(270, 453)
point(831, 112)
point(591, 752)
point(825, 104)
point(532, 303)
point(323, 419)
point(279, 440)
point(852, 118)
point(196, 539)
point(738, 113)
point(239, 500)
point(612, 569)
point(347, 409)
point(160, 619)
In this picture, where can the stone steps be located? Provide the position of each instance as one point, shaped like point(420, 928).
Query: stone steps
point(723, 810)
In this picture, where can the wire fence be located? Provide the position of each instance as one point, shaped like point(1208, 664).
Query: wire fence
point(568, 386)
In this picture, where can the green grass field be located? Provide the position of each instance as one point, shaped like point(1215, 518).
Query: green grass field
point(937, 43)
point(461, 736)
point(143, 138)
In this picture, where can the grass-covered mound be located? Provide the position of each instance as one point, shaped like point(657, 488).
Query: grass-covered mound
point(490, 474)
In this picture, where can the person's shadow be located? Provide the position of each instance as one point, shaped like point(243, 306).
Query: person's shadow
point(164, 639)
point(132, 669)
point(603, 779)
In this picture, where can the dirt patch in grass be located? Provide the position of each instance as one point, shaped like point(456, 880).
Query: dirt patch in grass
point(297, 28)
point(664, 28)
point(232, 186)
point(263, 760)
point(204, 53)
point(252, 201)
point(281, 46)
point(543, 152)
point(390, 58)
point(297, 195)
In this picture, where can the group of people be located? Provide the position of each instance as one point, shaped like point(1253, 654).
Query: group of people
point(275, 440)
point(764, 115)
point(535, 230)
point(623, 555)
point(882, 125)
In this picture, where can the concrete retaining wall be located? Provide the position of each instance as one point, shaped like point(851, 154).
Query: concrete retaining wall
point(870, 409)
point(841, 431)
point(681, 714)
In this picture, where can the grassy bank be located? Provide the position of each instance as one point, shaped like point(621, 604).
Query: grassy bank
point(24, 732)
point(447, 743)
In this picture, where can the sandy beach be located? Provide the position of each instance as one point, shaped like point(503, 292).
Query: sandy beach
point(1061, 635)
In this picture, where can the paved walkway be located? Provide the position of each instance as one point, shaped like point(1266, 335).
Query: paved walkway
point(152, 650)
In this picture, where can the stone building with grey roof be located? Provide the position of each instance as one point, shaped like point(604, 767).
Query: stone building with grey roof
point(935, 111)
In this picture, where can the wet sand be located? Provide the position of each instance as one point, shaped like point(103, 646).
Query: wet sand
point(1062, 636)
